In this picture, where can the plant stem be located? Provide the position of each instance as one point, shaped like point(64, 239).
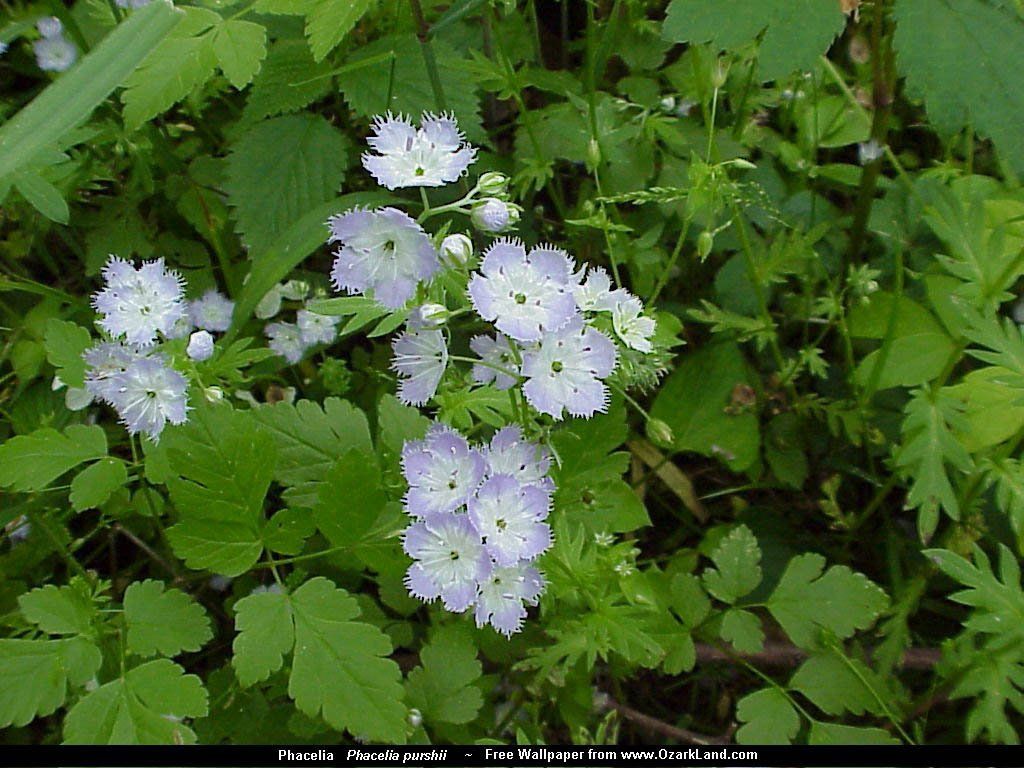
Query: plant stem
point(423, 34)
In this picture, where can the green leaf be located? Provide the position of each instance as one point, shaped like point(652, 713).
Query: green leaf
point(737, 569)
point(70, 99)
point(37, 673)
point(339, 667)
point(366, 88)
point(223, 463)
point(443, 688)
point(399, 423)
point(795, 32)
point(240, 46)
point(847, 735)
point(351, 499)
point(174, 69)
point(65, 344)
point(32, 462)
point(960, 56)
point(66, 610)
point(301, 157)
point(743, 630)
point(163, 622)
point(837, 686)
point(998, 601)
point(309, 439)
point(42, 195)
point(807, 601)
point(330, 20)
point(265, 635)
point(695, 402)
point(287, 531)
point(145, 706)
point(767, 717)
point(983, 392)
point(94, 485)
point(288, 80)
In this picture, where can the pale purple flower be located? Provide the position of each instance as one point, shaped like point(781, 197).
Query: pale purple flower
point(442, 471)
point(497, 353)
point(3, 48)
point(510, 517)
point(450, 560)
point(55, 54)
point(138, 304)
point(596, 294)
point(49, 26)
point(200, 346)
point(383, 251)
point(212, 311)
point(503, 596)
point(104, 362)
point(286, 340)
point(315, 328)
point(134, 4)
point(148, 394)
point(632, 325)
point(524, 295)
point(509, 453)
point(432, 156)
point(421, 356)
point(565, 372)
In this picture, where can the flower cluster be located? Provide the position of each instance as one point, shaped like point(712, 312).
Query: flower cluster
point(291, 340)
point(140, 308)
point(431, 156)
point(54, 52)
point(479, 523)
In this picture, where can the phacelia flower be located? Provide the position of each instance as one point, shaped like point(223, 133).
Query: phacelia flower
point(510, 517)
point(148, 394)
point(450, 560)
point(421, 356)
point(200, 346)
point(596, 294)
point(503, 596)
point(286, 340)
point(104, 361)
point(565, 372)
point(212, 311)
point(509, 453)
point(49, 26)
point(493, 215)
point(632, 325)
point(138, 304)
point(432, 156)
point(524, 295)
point(55, 54)
point(442, 471)
point(384, 251)
point(497, 357)
point(315, 328)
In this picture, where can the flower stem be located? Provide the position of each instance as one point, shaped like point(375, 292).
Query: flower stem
point(423, 34)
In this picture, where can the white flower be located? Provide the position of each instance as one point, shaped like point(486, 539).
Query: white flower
point(869, 151)
point(148, 395)
point(200, 346)
point(54, 54)
point(432, 156)
point(49, 26)
point(138, 304)
point(503, 596)
point(315, 328)
point(421, 356)
point(212, 311)
point(632, 325)
point(286, 340)
point(596, 294)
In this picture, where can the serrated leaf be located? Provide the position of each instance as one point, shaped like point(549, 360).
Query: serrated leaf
point(302, 158)
point(163, 622)
point(265, 635)
point(835, 687)
point(288, 80)
point(963, 80)
point(351, 498)
point(806, 601)
point(309, 439)
point(287, 531)
point(795, 32)
point(240, 46)
point(42, 195)
point(329, 21)
point(95, 484)
point(743, 630)
point(174, 69)
point(768, 718)
point(37, 673)
point(443, 687)
point(223, 463)
point(65, 344)
point(66, 610)
point(848, 735)
point(145, 706)
point(737, 571)
point(31, 462)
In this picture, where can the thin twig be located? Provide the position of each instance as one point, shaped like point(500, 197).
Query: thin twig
point(784, 655)
point(606, 703)
point(154, 555)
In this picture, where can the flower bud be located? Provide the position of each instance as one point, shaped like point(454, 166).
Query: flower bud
point(493, 215)
point(295, 290)
point(270, 304)
point(213, 394)
point(77, 398)
point(49, 26)
point(415, 717)
point(705, 242)
point(593, 153)
point(660, 433)
point(456, 250)
point(429, 316)
point(200, 346)
point(492, 184)
point(667, 103)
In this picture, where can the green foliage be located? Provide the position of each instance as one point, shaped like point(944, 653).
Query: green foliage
point(163, 622)
point(32, 462)
point(444, 687)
